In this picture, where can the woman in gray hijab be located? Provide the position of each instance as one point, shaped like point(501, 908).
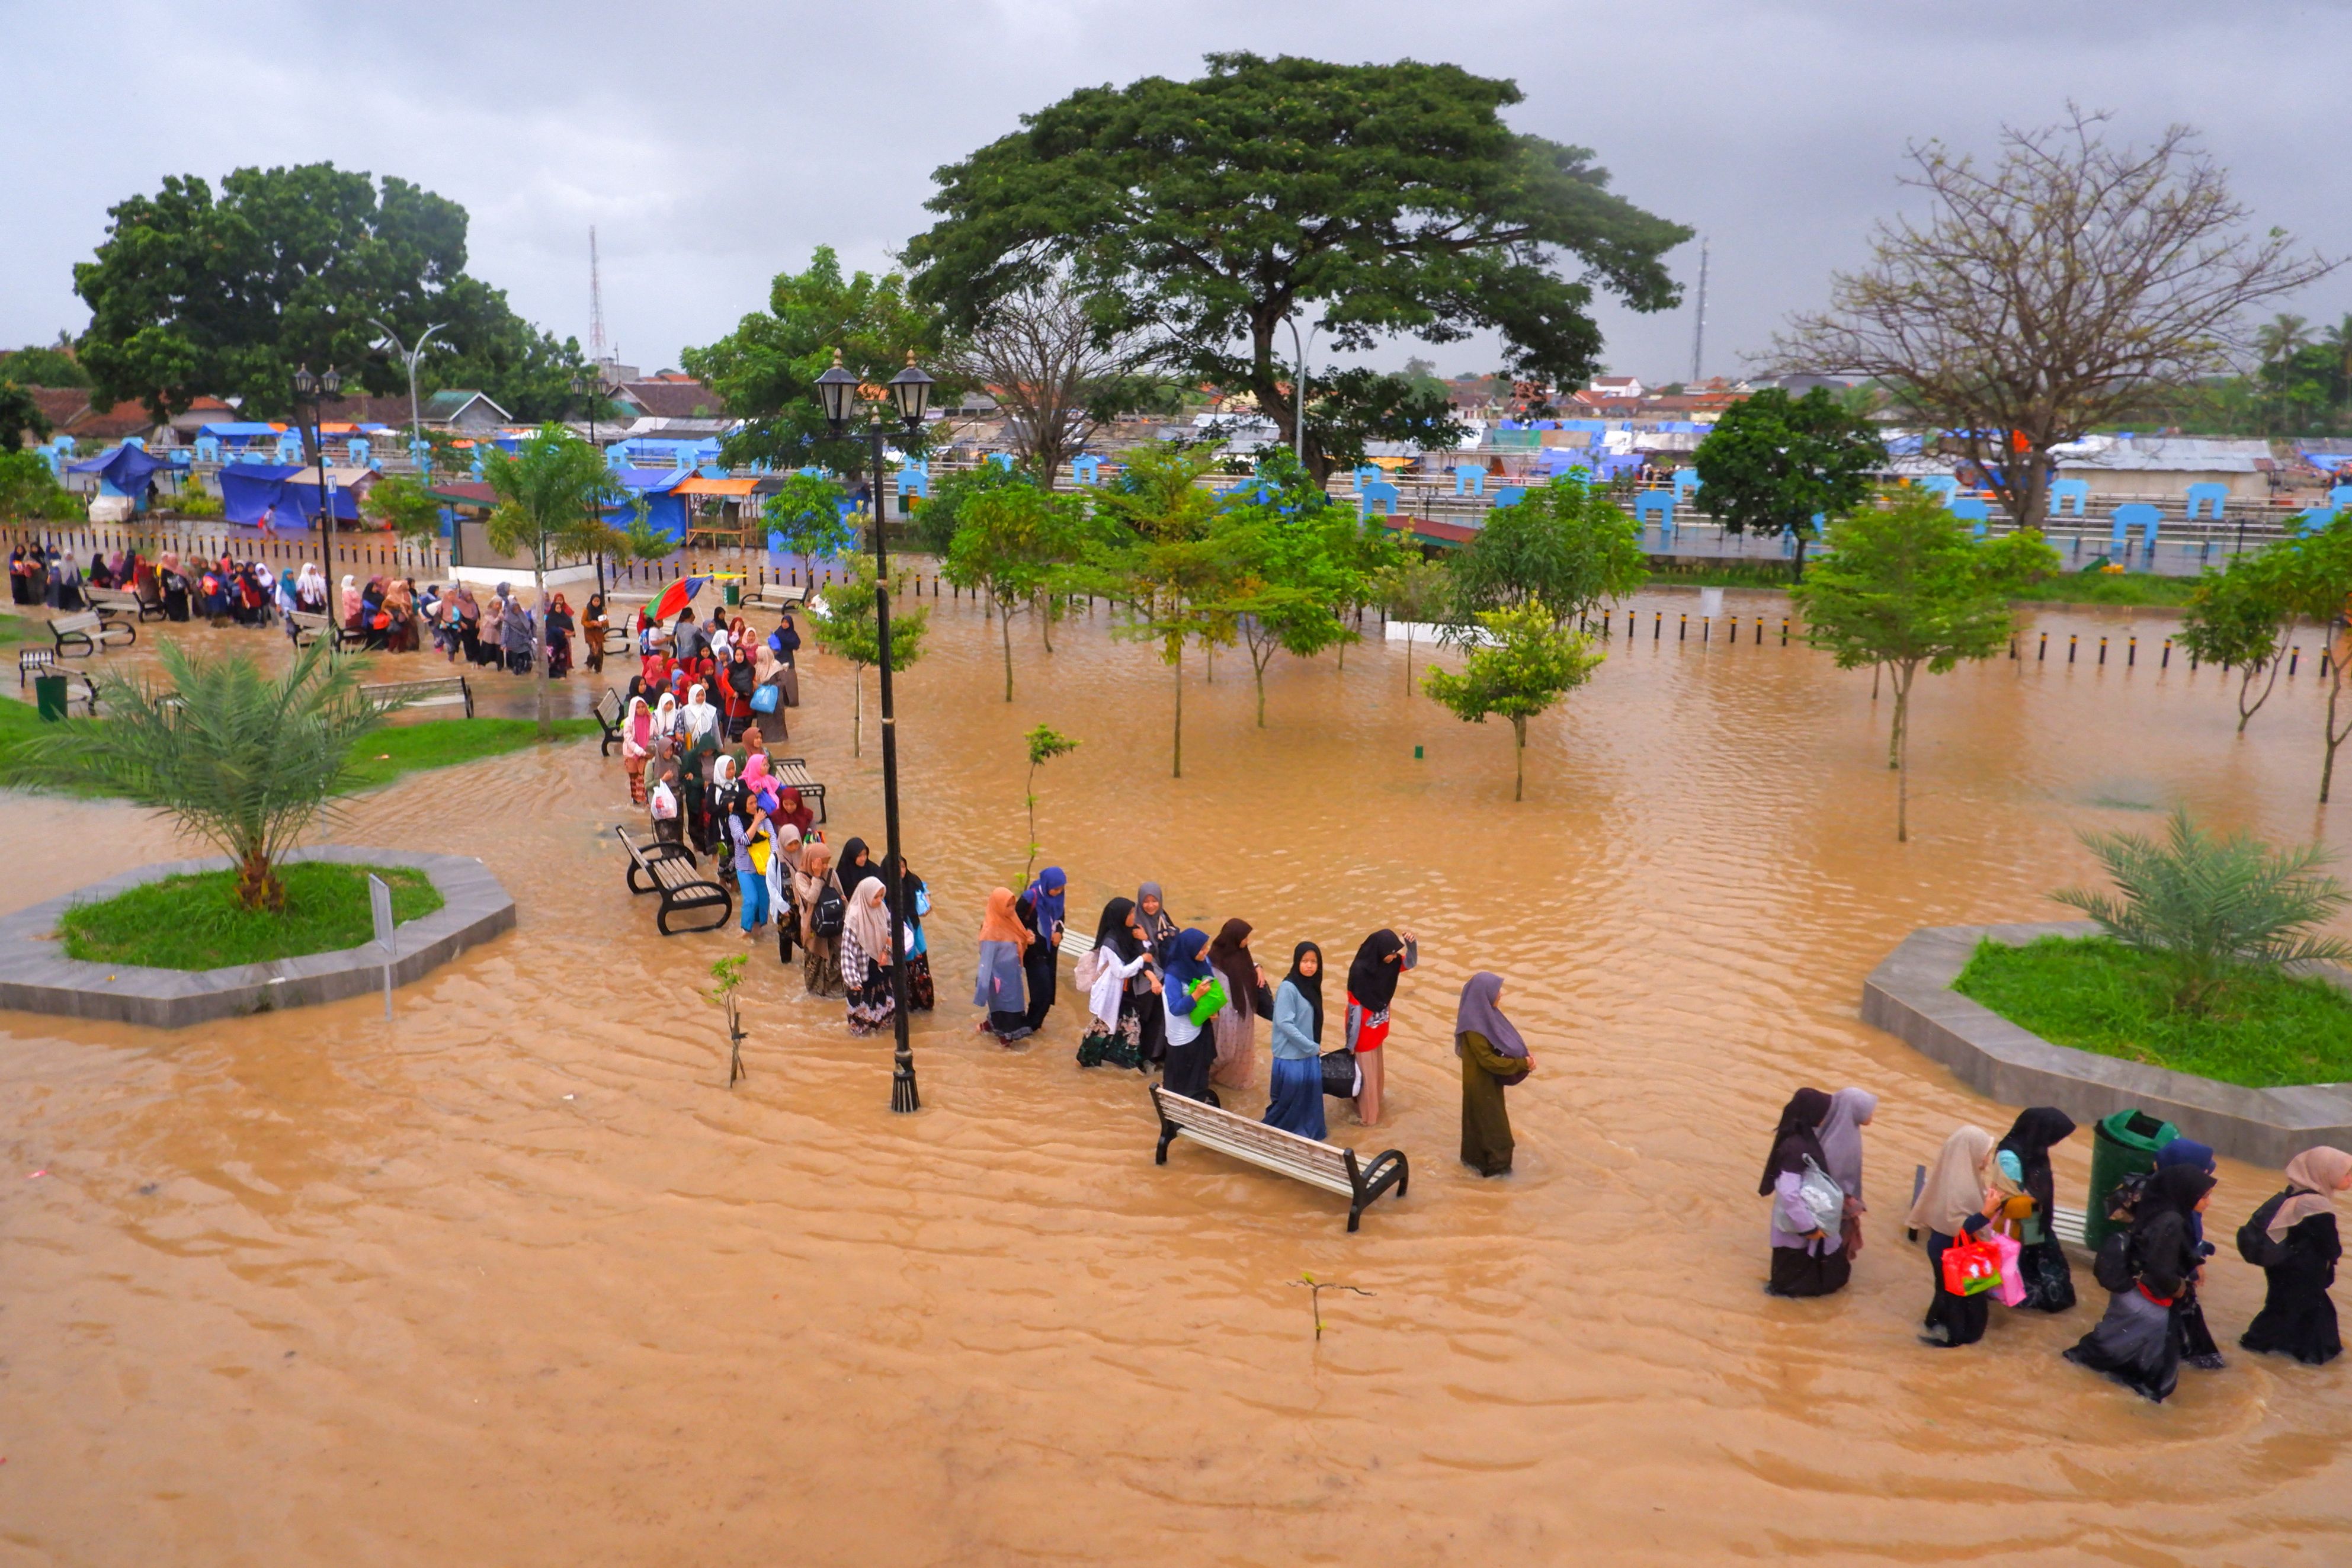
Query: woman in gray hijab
point(1159, 931)
point(1841, 1136)
point(1494, 1057)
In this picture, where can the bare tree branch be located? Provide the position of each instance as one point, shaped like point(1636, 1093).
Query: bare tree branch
point(1054, 367)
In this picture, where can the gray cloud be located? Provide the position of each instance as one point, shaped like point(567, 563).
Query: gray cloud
point(714, 144)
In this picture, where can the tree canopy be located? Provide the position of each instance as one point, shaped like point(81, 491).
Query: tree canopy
point(766, 370)
point(1565, 545)
point(193, 293)
point(552, 490)
point(37, 365)
point(1378, 200)
point(1523, 664)
point(1774, 462)
point(2070, 286)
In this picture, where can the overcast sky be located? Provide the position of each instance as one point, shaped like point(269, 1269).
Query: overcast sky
point(714, 144)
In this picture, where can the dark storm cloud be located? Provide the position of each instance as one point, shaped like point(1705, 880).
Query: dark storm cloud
point(713, 144)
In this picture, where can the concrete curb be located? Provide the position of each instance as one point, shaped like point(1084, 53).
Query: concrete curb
point(1910, 996)
point(37, 977)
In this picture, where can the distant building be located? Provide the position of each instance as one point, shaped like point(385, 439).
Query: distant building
point(1613, 389)
point(670, 395)
point(461, 409)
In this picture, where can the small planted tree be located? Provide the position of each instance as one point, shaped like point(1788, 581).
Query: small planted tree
point(1774, 462)
point(1908, 589)
point(726, 975)
point(2315, 572)
point(808, 514)
point(1416, 591)
point(1565, 546)
point(1156, 556)
point(552, 492)
point(2207, 909)
point(1010, 544)
point(849, 629)
point(1530, 662)
point(398, 502)
point(2240, 619)
point(1045, 742)
point(243, 760)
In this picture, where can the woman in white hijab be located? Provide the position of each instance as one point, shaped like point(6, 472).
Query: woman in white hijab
point(698, 719)
point(668, 727)
point(1955, 1201)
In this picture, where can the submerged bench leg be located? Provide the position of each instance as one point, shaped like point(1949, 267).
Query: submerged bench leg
point(1168, 1131)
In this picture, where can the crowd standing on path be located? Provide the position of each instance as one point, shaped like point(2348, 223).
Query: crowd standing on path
point(1985, 1214)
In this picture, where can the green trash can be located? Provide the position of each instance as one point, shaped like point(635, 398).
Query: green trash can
point(49, 697)
point(2122, 1145)
point(734, 594)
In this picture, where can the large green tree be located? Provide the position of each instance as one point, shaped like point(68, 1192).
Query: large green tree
point(1374, 199)
point(1774, 462)
point(195, 293)
point(766, 370)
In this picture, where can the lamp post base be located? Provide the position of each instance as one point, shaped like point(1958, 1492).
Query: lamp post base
point(903, 1097)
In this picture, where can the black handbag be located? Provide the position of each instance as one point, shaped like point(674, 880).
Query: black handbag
point(1342, 1079)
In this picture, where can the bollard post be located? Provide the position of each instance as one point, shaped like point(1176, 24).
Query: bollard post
point(1735, 630)
point(2071, 638)
point(1784, 631)
point(2166, 662)
point(2131, 652)
point(1682, 630)
point(2044, 652)
point(2294, 657)
point(1658, 624)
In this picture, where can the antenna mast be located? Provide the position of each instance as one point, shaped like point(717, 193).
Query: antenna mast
point(596, 304)
point(1698, 333)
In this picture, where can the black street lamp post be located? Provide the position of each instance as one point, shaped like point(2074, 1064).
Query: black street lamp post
point(315, 391)
point(911, 396)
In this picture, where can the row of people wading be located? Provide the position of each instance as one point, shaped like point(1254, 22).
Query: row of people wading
point(1984, 1211)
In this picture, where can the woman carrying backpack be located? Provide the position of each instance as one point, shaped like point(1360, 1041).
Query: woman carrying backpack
point(2137, 1343)
point(817, 895)
point(2292, 1240)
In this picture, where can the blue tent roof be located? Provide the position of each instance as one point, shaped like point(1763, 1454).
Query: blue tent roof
point(238, 429)
point(126, 469)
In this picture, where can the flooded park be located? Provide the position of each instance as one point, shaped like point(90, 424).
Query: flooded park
point(516, 1277)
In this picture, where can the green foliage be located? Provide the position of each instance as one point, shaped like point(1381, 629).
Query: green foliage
point(405, 749)
point(38, 366)
point(20, 415)
point(1531, 662)
point(1773, 463)
point(193, 293)
point(2314, 578)
point(192, 500)
point(29, 493)
point(936, 518)
point(552, 491)
point(1012, 543)
point(1045, 743)
point(808, 513)
point(198, 922)
point(1154, 554)
point(725, 976)
point(2267, 1031)
point(2240, 618)
point(1908, 588)
point(1293, 564)
point(398, 502)
point(243, 760)
point(1386, 199)
point(766, 370)
point(1566, 546)
point(2205, 909)
point(850, 628)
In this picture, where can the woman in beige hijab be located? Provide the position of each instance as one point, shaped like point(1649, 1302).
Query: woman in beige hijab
point(2299, 1258)
point(1954, 1204)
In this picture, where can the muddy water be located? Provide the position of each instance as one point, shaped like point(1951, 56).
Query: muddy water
point(515, 1279)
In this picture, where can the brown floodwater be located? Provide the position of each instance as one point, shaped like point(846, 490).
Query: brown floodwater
point(516, 1279)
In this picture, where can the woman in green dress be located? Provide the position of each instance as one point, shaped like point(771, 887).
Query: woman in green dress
point(1494, 1057)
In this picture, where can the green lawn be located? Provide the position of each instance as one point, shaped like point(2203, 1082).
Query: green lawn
point(2267, 1029)
point(17, 629)
point(389, 753)
point(2131, 588)
point(196, 922)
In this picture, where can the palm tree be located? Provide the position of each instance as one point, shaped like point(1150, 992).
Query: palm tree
point(236, 758)
point(2207, 909)
point(2282, 337)
point(552, 492)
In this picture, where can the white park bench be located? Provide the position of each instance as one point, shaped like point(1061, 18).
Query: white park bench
point(117, 601)
point(433, 691)
point(670, 871)
point(88, 631)
point(1328, 1165)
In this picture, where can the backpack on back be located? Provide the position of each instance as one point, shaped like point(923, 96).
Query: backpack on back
point(2112, 1268)
point(2254, 1243)
point(825, 918)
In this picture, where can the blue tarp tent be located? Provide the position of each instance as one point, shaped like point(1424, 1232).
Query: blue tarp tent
point(664, 512)
point(124, 471)
point(249, 490)
point(238, 432)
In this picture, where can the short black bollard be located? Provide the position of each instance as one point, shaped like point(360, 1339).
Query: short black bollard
point(2166, 662)
point(1760, 630)
point(1784, 631)
point(2294, 657)
point(2071, 640)
point(2043, 652)
point(1657, 625)
point(1682, 631)
point(2131, 652)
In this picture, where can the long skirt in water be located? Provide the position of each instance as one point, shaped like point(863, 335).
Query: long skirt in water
point(2297, 1319)
point(872, 1002)
point(1952, 1320)
point(1188, 1066)
point(1797, 1272)
point(821, 966)
point(2135, 1344)
point(2049, 1283)
point(1037, 972)
point(1297, 1106)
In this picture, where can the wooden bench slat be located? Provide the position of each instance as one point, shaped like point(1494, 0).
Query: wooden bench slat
point(675, 877)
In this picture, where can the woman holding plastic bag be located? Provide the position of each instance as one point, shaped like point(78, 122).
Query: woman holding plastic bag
point(1808, 1255)
point(1954, 1208)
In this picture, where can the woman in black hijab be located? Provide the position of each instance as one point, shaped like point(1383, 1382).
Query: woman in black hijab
point(1294, 1098)
point(2049, 1283)
point(1808, 1257)
point(1373, 979)
point(2138, 1343)
point(856, 865)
